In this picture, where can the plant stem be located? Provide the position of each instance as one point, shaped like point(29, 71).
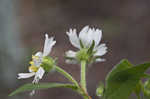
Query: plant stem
point(138, 96)
point(81, 90)
point(67, 75)
point(83, 75)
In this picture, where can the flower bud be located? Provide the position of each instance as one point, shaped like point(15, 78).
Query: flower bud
point(100, 90)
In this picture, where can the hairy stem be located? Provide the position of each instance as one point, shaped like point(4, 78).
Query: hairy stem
point(67, 75)
point(83, 75)
point(81, 90)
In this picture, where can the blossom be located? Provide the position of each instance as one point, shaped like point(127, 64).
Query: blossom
point(88, 44)
point(36, 69)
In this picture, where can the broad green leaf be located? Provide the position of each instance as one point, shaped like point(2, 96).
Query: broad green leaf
point(122, 80)
point(124, 64)
point(29, 87)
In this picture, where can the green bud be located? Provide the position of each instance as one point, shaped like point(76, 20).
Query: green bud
point(48, 64)
point(100, 90)
point(82, 55)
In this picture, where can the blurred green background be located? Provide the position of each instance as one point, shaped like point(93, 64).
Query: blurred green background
point(23, 23)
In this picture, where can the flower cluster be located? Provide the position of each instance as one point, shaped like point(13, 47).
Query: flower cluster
point(122, 81)
point(89, 50)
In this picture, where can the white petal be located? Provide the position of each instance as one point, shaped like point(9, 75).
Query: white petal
point(38, 61)
point(25, 75)
point(86, 36)
point(39, 54)
point(39, 74)
point(89, 38)
point(83, 32)
point(49, 43)
point(100, 50)
point(73, 38)
point(97, 35)
point(71, 54)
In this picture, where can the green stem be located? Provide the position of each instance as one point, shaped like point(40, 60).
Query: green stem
point(138, 96)
point(83, 75)
point(71, 79)
point(67, 75)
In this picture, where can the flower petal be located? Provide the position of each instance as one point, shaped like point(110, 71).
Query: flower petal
point(71, 54)
point(73, 38)
point(25, 75)
point(86, 36)
point(83, 32)
point(39, 74)
point(100, 50)
point(49, 43)
point(89, 38)
point(38, 59)
point(97, 35)
point(39, 54)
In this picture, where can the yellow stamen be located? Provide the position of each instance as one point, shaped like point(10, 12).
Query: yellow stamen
point(33, 68)
point(31, 62)
point(35, 57)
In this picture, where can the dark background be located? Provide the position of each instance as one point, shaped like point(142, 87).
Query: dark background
point(23, 23)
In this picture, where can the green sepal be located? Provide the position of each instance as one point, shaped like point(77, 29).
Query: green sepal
point(48, 64)
point(90, 50)
point(86, 54)
point(81, 44)
point(82, 55)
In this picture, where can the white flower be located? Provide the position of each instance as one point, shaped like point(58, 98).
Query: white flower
point(35, 69)
point(86, 37)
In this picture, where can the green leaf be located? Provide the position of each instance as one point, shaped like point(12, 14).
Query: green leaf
point(122, 80)
point(100, 90)
point(29, 87)
point(124, 64)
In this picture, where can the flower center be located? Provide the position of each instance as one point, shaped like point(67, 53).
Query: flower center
point(33, 68)
point(35, 57)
